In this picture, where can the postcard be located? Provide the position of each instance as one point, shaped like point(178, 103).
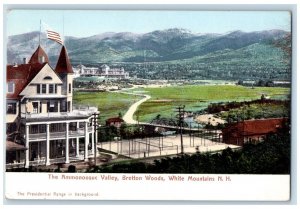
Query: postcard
point(148, 105)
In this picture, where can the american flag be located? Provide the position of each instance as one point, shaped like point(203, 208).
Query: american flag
point(52, 35)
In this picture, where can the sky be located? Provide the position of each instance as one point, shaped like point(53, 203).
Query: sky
point(84, 23)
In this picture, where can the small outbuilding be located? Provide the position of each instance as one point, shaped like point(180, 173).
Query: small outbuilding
point(117, 122)
point(251, 130)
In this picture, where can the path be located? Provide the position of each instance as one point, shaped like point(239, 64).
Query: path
point(128, 117)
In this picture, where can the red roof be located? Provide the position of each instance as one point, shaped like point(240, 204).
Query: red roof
point(256, 127)
point(115, 120)
point(39, 52)
point(21, 76)
point(63, 64)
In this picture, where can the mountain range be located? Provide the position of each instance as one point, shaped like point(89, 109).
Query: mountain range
point(175, 45)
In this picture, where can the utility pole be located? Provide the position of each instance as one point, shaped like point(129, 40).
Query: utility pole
point(180, 110)
point(95, 123)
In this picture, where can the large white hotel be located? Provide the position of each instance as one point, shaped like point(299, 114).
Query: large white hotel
point(43, 127)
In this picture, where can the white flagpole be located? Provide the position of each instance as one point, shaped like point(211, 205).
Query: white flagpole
point(63, 36)
point(40, 32)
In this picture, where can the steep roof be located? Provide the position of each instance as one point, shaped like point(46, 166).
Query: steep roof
point(21, 76)
point(63, 65)
point(35, 58)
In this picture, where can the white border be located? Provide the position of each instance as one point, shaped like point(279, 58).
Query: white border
point(253, 4)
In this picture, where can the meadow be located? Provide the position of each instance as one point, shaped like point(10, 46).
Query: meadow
point(164, 100)
point(110, 104)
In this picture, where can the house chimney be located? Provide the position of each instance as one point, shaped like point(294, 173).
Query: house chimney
point(24, 60)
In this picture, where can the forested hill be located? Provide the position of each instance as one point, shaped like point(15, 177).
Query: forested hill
point(157, 54)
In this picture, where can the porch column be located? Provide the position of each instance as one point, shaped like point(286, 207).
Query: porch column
point(77, 141)
point(48, 144)
point(96, 135)
point(67, 143)
point(58, 105)
point(86, 141)
point(27, 147)
point(77, 147)
point(93, 138)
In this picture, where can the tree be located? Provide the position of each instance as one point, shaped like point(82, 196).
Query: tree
point(120, 115)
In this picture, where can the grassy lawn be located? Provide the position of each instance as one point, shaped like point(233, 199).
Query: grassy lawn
point(110, 104)
point(164, 100)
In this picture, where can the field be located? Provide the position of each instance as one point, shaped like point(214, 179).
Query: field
point(164, 99)
point(110, 104)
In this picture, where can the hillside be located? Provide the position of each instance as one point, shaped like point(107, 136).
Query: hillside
point(150, 54)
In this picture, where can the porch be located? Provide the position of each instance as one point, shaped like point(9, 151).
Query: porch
point(78, 111)
point(42, 161)
point(60, 134)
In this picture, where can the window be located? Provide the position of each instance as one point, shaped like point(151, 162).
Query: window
point(43, 128)
point(10, 87)
point(41, 59)
point(44, 88)
point(35, 129)
point(47, 78)
point(38, 88)
point(52, 106)
point(11, 108)
point(70, 88)
point(69, 106)
point(63, 106)
point(57, 127)
point(35, 107)
point(51, 88)
point(55, 88)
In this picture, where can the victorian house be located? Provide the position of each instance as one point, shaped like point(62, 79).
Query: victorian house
point(43, 127)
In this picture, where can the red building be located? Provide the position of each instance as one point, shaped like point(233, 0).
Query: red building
point(251, 130)
point(117, 122)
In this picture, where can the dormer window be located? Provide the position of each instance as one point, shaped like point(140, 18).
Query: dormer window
point(10, 87)
point(41, 59)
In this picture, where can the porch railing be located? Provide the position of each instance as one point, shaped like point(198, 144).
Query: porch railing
point(42, 161)
point(20, 164)
point(77, 111)
point(62, 134)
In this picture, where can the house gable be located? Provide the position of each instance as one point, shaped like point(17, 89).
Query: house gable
point(45, 76)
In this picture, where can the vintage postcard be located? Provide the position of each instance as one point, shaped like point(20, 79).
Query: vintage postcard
point(148, 105)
